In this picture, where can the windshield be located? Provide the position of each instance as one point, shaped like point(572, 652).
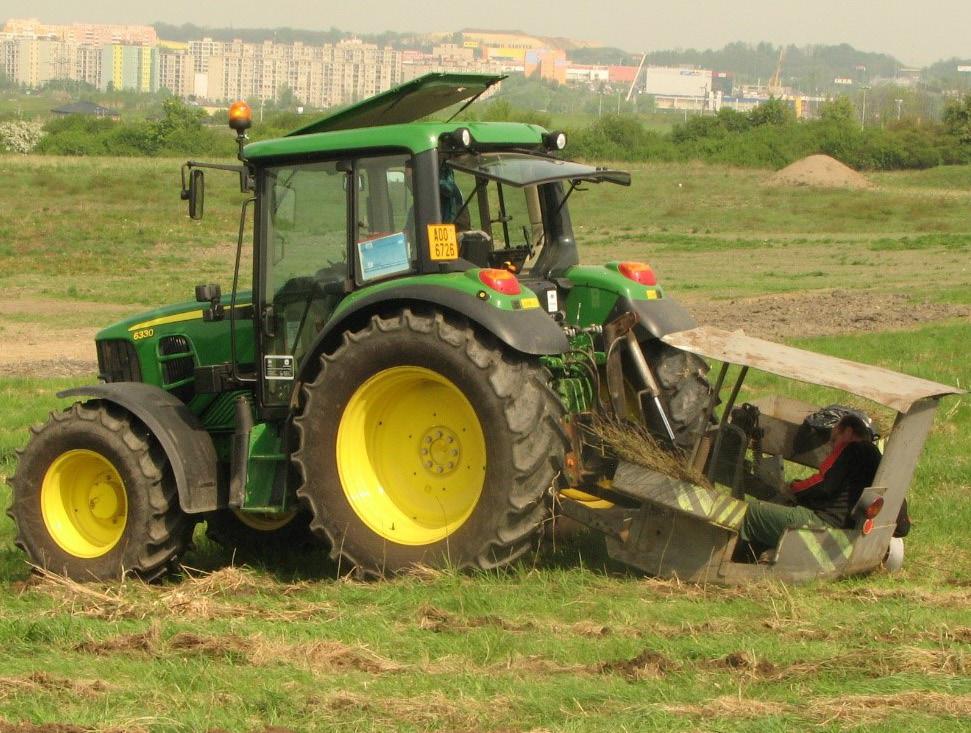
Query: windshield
point(509, 208)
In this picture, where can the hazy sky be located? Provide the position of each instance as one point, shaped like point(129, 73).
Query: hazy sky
point(916, 32)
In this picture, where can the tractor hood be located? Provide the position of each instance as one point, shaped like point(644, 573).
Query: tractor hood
point(891, 389)
point(408, 102)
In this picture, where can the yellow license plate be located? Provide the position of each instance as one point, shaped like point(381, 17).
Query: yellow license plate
point(442, 243)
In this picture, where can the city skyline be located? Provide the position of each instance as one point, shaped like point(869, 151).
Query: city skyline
point(915, 34)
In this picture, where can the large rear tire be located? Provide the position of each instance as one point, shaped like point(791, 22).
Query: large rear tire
point(423, 442)
point(94, 497)
point(685, 390)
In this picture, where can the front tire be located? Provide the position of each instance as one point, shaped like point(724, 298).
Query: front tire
point(422, 442)
point(94, 497)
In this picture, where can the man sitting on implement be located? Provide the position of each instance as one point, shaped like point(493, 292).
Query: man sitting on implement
point(825, 499)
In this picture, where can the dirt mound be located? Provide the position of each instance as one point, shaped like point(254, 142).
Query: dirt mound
point(819, 170)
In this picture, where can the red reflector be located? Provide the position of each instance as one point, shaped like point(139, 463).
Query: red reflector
point(638, 272)
point(501, 281)
point(868, 526)
point(874, 509)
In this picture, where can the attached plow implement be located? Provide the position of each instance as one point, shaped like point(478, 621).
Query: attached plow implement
point(680, 529)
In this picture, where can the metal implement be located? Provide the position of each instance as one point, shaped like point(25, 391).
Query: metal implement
point(644, 370)
point(691, 531)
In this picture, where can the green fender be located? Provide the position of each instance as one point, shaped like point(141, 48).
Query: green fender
point(527, 330)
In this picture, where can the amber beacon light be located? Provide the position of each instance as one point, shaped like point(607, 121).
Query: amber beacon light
point(240, 116)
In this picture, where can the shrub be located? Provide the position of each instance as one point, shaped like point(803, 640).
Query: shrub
point(20, 136)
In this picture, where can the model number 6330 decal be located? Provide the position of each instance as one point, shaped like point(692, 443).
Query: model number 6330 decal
point(143, 334)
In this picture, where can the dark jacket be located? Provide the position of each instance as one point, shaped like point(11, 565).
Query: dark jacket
point(833, 498)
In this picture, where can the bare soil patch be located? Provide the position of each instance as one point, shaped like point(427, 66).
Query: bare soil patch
point(646, 665)
point(819, 170)
point(821, 313)
point(42, 350)
point(31, 346)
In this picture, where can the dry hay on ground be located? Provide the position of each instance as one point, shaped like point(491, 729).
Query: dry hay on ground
point(430, 710)
point(820, 171)
point(259, 651)
point(844, 709)
point(42, 682)
point(867, 662)
point(432, 618)
point(200, 596)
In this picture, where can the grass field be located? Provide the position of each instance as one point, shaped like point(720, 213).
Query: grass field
point(566, 641)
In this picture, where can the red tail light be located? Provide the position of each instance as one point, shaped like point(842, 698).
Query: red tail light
point(638, 272)
point(502, 281)
point(867, 526)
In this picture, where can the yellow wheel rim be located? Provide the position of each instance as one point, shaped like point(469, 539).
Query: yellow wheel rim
point(411, 455)
point(83, 503)
point(263, 521)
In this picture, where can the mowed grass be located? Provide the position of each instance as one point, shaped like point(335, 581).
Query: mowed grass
point(567, 641)
point(564, 642)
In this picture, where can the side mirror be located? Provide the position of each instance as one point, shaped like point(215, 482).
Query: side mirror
point(210, 294)
point(197, 193)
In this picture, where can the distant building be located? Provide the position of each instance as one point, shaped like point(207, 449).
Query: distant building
point(548, 64)
point(89, 109)
point(176, 73)
point(622, 74)
point(91, 34)
point(508, 46)
point(587, 74)
point(133, 68)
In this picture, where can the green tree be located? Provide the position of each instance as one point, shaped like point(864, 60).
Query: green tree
point(772, 112)
point(957, 119)
point(840, 111)
point(286, 99)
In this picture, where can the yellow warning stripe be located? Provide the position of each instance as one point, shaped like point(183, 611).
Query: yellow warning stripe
point(177, 318)
point(813, 543)
point(192, 315)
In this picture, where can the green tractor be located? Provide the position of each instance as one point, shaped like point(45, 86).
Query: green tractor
point(410, 380)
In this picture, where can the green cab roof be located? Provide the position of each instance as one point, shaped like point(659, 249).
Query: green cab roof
point(415, 137)
point(408, 102)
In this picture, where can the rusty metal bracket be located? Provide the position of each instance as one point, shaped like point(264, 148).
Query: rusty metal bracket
point(614, 334)
point(612, 522)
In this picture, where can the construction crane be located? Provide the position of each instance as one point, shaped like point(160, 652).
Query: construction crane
point(637, 73)
point(774, 87)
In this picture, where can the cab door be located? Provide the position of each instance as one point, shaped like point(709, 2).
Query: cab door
point(306, 215)
point(328, 228)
